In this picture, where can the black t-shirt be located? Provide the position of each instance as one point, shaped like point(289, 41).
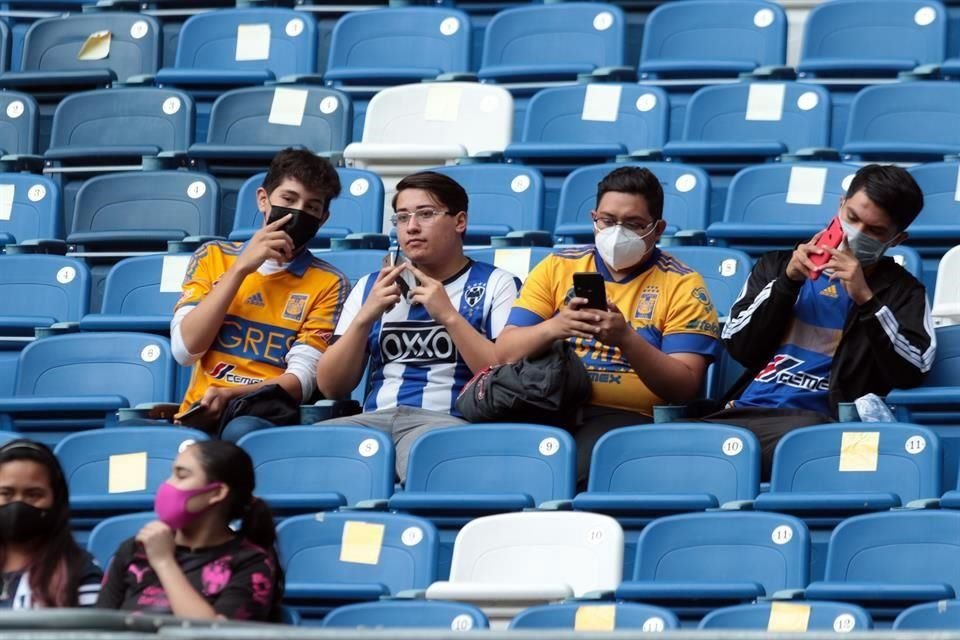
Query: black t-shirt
point(237, 578)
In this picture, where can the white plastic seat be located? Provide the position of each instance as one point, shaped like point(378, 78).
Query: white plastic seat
point(946, 295)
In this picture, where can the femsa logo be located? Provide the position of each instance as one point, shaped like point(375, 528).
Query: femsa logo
point(224, 371)
point(416, 343)
point(783, 369)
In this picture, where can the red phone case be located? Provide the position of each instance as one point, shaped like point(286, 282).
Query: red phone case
point(831, 238)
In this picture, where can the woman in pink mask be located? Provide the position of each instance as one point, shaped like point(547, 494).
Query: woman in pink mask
point(189, 562)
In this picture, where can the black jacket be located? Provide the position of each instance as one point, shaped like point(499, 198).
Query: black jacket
point(887, 343)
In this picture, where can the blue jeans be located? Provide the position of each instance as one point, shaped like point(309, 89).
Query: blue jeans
point(241, 426)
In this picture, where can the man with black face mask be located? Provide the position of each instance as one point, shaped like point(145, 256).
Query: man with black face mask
point(261, 313)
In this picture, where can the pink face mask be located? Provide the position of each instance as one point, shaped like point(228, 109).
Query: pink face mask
point(171, 504)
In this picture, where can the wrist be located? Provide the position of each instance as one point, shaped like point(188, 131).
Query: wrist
point(164, 564)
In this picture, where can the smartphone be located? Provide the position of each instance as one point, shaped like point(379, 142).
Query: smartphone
point(190, 416)
point(831, 238)
point(407, 280)
point(589, 285)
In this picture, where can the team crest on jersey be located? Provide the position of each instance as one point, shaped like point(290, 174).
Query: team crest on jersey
point(647, 303)
point(474, 293)
point(296, 306)
point(700, 295)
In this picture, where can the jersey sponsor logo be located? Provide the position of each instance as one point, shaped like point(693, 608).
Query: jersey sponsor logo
point(703, 326)
point(474, 293)
point(256, 341)
point(224, 371)
point(647, 303)
point(416, 343)
point(784, 369)
point(296, 307)
point(700, 295)
point(256, 300)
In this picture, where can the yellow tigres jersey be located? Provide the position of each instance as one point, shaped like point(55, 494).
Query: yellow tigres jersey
point(269, 314)
point(664, 301)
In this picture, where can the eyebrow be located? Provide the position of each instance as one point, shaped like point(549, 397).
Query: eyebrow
point(873, 227)
point(628, 217)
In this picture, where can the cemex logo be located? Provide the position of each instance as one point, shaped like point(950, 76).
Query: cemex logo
point(783, 370)
point(416, 343)
point(224, 371)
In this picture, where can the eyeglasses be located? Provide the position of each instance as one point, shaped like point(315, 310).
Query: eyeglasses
point(423, 216)
point(606, 221)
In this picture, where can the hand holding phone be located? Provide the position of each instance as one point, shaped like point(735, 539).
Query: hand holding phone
point(832, 238)
point(590, 285)
point(195, 416)
point(406, 280)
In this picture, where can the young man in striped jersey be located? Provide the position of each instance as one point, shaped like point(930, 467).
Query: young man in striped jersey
point(813, 337)
point(426, 325)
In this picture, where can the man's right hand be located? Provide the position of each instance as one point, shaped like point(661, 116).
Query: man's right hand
point(574, 322)
point(800, 267)
point(384, 294)
point(270, 242)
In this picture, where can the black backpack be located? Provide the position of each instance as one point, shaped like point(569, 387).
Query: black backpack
point(549, 389)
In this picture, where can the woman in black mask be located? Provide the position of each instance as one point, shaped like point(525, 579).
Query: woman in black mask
point(42, 565)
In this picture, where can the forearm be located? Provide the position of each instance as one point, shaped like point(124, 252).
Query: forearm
point(664, 375)
point(200, 327)
point(287, 381)
point(342, 364)
point(516, 343)
point(185, 602)
point(474, 348)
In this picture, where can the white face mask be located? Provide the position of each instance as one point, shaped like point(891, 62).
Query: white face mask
point(621, 248)
point(866, 249)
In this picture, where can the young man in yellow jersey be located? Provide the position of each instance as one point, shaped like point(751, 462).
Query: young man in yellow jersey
point(262, 312)
point(659, 332)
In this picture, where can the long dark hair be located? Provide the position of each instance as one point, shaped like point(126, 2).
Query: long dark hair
point(57, 561)
point(225, 462)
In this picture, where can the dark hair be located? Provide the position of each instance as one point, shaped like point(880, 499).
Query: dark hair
point(58, 562)
point(444, 190)
point(637, 181)
point(892, 189)
point(225, 462)
point(310, 170)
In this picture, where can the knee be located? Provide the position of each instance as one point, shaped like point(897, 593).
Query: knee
point(239, 427)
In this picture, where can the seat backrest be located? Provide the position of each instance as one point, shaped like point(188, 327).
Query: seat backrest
point(145, 285)
point(767, 548)
point(354, 461)
point(358, 208)
point(281, 40)
point(57, 44)
point(678, 458)
point(420, 614)
point(355, 263)
point(519, 261)
point(110, 532)
point(819, 616)
point(750, 33)
point(596, 617)
point(503, 197)
point(946, 294)
point(495, 458)
point(18, 123)
point(908, 258)
point(629, 114)
point(479, 117)
point(938, 181)
point(313, 117)
point(6, 39)
point(794, 114)
point(911, 112)
point(136, 366)
point(896, 547)
point(931, 616)
point(806, 193)
point(581, 34)
point(686, 195)
point(434, 39)
point(579, 549)
point(29, 207)
point(859, 457)
point(912, 31)
point(946, 362)
point(124, 117)
point(121, 461)
point(723, 270)
point(334, 548)
point(44, 286)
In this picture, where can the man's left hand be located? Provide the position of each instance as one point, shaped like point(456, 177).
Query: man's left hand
point(847, 269)
point(612, 329)
point(432, 295)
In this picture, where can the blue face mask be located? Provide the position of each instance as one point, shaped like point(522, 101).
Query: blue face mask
point(866, 249)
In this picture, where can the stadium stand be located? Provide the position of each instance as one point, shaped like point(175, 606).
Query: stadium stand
point(941, 615)
point(31, 209)
point(790, 616)
point(40, 291)
point(596, 617)
point(19, 125)
point(456, 616)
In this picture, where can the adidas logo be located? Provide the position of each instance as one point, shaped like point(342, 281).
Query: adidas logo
point(256, 300)
point(830, 292)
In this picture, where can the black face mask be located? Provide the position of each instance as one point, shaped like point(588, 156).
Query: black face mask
point(21, 522)
point(301, 227)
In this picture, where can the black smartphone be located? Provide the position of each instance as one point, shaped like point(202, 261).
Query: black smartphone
point(589, 285)
point(191, 416)
point(407, 280)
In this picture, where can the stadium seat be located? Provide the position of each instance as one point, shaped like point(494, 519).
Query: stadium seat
point(908, 258)
point(790, 616)
point(307, 469)
point(19, 125)
point(358, 208)
point(503, 198)
point(904, 122)
point(937, 229)
point(39, 291)
point(933, 616)
point(116, 471)
point(506, 562)
point(723, 270)
point(139, 295)
point(937, 399)
point(583, 616)
point(774, 206)
point(335, 558)
point(144, 210)
point(354, 263)
point(417, 614)
point(519, 261)
point(30, 208)
point(696, 561)
point(6, 38)
point(103, 540)
point(686, 199)
point(946, 296)
point(78, 381)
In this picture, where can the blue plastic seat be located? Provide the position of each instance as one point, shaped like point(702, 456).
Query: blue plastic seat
point(6, 39)
point(519, 261)
point(334, 558)
point(908, 257)
point(307, 469)
point(626, 615)
point(104, 539)
point(18, 132)
point(358, 209)
point(877, 38)
point(702, 39)
point(503, 198)
point(937, 228)
point(933, 616)
point(937, 399)
point(822, 616)
point(38, 291)
point(78, 381)
point(34, 210)
point(144, 210)
point(354, 263)
point(419, 614)
point(904, 122)
point(723, 270)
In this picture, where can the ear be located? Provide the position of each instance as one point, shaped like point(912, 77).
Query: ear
point(658, 230)
point(263, 201)
point(461, 222)
point(220, 495)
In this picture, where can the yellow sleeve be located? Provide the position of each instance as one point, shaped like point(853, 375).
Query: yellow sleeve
point(691, 324)
point(537, 301)
point(198, 280)
point(317, 329)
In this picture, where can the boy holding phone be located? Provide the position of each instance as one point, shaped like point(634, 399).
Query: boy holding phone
point(826, 324)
